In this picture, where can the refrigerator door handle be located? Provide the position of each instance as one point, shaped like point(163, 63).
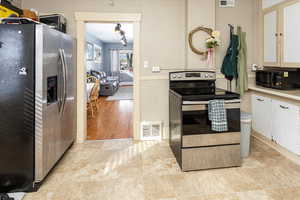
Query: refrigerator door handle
point(63, 93)
point(65, 78)
point(60, 64)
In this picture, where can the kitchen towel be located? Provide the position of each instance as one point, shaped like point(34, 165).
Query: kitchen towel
point(242, 80)
point(217, 115)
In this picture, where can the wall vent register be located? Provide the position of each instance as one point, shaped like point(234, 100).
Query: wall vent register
point(151, 130)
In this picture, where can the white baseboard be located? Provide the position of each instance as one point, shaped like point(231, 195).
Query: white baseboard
point(289, 155)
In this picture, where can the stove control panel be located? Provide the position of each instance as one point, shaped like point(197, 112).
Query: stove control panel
point(192, 75)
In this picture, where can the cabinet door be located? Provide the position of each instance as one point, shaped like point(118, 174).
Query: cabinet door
point(276, 128)
point(271, 39)
point(270, 3)
point(290, 35)
point(261, 111)
point(287, 129)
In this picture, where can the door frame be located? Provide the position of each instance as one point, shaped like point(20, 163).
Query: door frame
point(81, 19)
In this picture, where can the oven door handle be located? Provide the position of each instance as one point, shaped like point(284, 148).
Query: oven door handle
point(207, 102)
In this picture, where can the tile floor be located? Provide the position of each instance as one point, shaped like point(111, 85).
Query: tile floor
point(126, 170)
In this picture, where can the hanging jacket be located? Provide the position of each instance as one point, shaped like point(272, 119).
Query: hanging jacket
point(229, 66)
point(242, 81)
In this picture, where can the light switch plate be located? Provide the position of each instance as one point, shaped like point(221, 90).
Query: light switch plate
point(156, 69)
point(146, 64)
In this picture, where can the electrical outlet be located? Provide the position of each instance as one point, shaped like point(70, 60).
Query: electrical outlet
point(156, 69)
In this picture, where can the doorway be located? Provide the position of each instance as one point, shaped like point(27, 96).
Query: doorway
point(87, 17)
point(110, 80)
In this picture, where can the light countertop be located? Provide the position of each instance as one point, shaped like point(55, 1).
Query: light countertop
point(290, 94)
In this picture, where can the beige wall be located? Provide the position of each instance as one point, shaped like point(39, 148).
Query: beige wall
point(163, 37)
point(195, 18)
point(242, 15)
point(245, 14)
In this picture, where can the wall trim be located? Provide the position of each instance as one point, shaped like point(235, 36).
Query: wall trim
point(149, 78)
point(289, 155)
point(166, 77)
point(82, 18)
point(108, 17)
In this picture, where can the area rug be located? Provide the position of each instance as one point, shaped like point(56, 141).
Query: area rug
point(123, 93)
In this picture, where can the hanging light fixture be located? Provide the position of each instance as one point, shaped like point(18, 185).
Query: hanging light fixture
point(122, 34)
point(118, 28)
point(124, 40)
point(123, 43)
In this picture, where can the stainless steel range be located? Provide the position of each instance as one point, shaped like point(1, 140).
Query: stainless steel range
point(195, 145)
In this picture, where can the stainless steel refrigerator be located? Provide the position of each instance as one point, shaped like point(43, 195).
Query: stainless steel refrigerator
point(37, 103)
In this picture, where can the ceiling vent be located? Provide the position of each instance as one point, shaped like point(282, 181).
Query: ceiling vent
point(151, 130)
point(226, 3)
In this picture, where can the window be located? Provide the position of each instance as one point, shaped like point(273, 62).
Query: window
point(125, 57)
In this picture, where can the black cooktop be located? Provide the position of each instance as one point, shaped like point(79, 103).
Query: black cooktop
point(195, 94)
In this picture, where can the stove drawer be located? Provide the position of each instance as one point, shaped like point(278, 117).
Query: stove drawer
point(211, 139)
point(211, 157)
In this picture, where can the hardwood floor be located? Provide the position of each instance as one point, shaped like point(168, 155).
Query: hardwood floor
point(113, 120)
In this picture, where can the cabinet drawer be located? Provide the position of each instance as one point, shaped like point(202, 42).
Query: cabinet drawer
point(211, 157)
point(211, 139)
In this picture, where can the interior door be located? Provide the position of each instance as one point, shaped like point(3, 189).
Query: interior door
point(290, 36)
point(271, 39)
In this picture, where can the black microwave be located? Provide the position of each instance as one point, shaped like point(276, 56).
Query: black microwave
point(282, 79)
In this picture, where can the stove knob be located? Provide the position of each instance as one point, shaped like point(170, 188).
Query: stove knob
point(174, 76)
point(206, 75)
point(179, 76)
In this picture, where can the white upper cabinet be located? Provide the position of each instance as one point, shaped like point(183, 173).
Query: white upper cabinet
point(291, 35)
point(270, 38)
point(281, 35)
point(270, 3)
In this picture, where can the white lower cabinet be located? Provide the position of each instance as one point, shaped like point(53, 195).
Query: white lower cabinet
point(286, 130)
point(261, 111)
point(277, 120)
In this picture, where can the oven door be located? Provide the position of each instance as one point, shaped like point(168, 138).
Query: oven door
point(195, 117)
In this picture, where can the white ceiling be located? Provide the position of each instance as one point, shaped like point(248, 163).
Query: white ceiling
point(106, 32)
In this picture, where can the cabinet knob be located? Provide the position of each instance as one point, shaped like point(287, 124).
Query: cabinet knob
point(260, 99)
point(276, 34)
